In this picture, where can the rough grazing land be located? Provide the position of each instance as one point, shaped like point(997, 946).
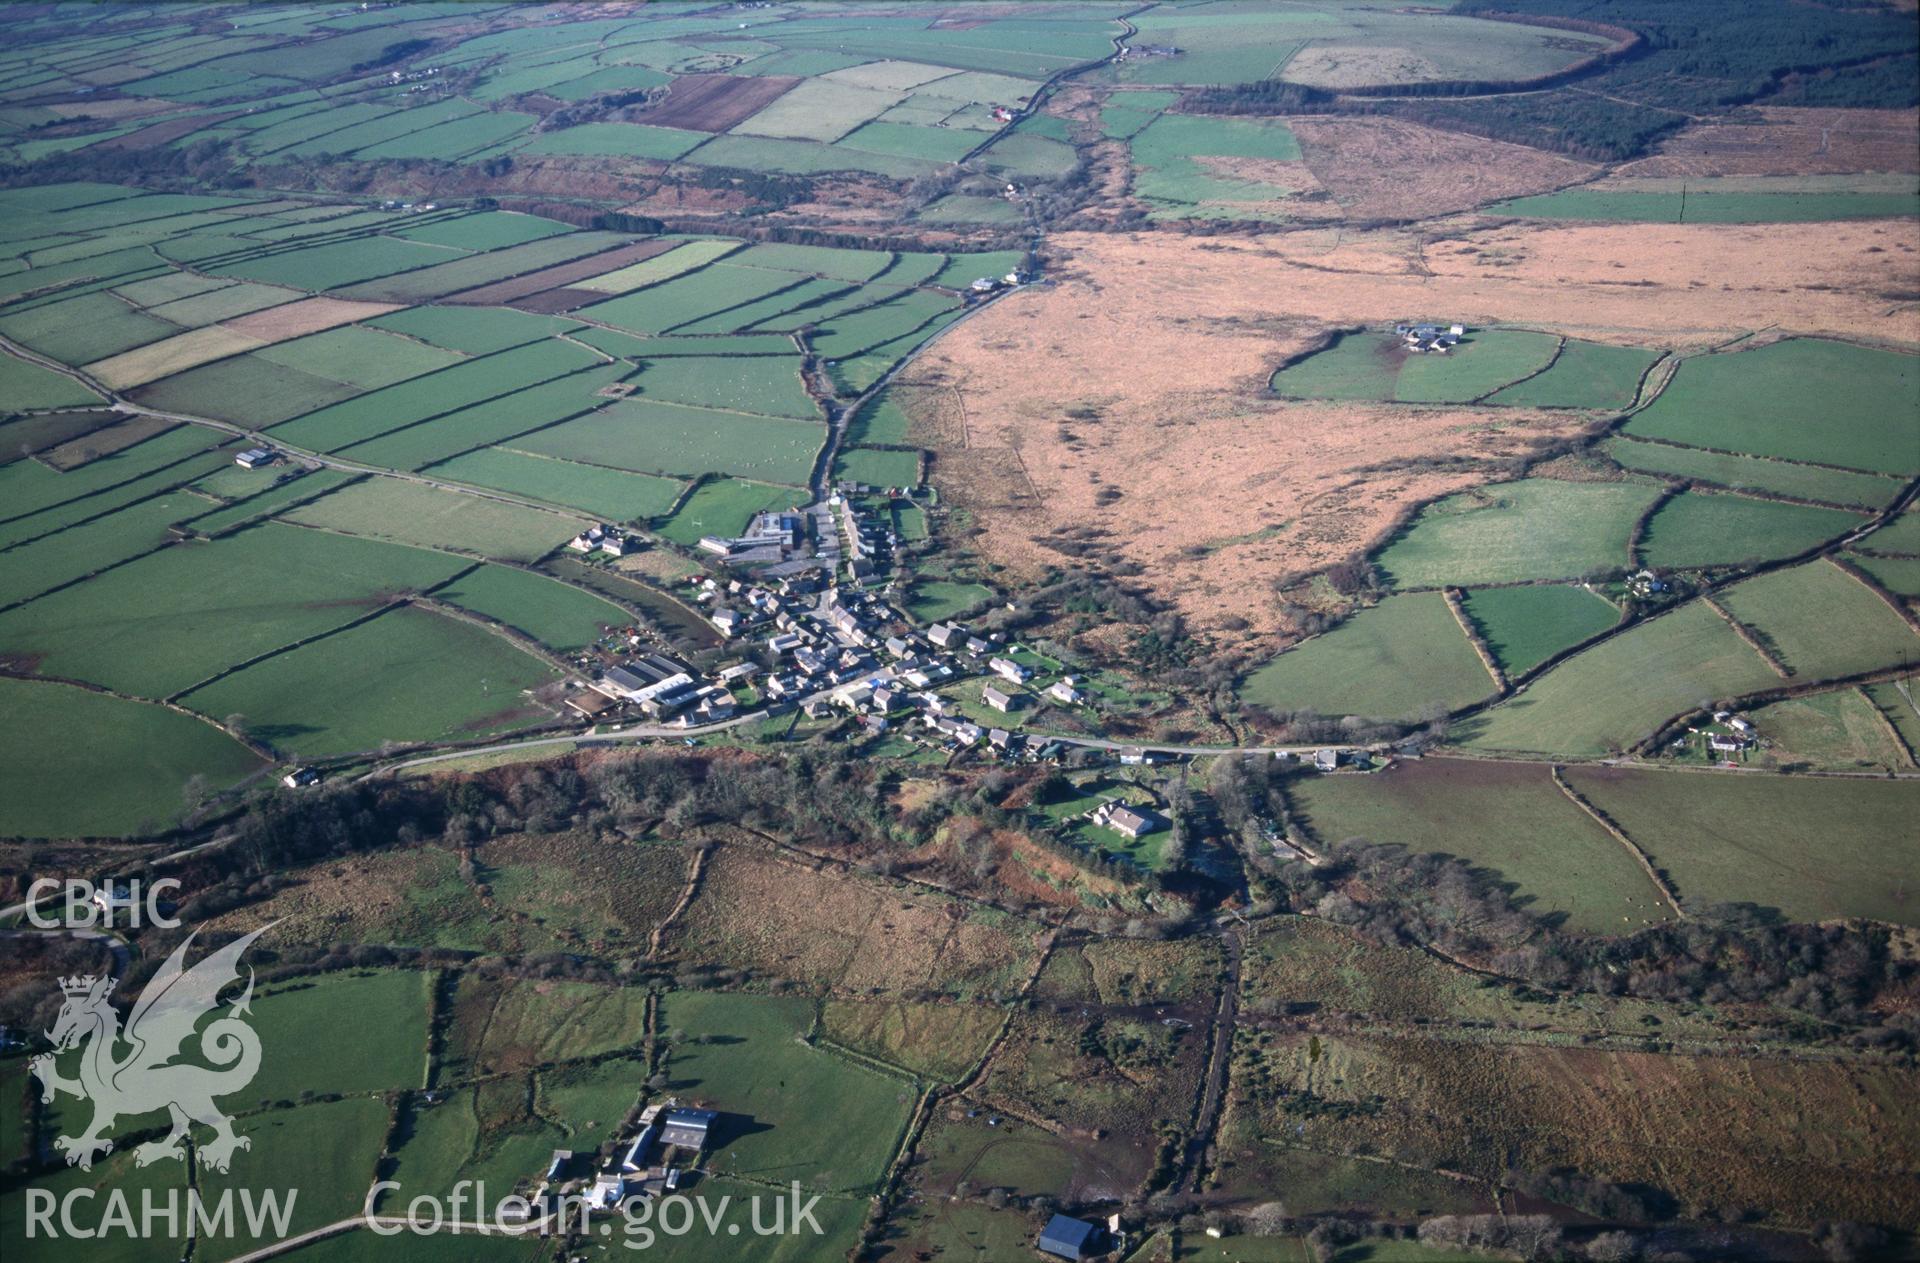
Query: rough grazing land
point(1270, 487)
point(1784, 141)
point(1382, 168)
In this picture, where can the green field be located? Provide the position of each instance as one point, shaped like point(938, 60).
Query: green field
point(1401, 659)
point(1796, 613)
point(497, 420)
point(760, 384)
point(1171, 168)
point(558, 615)
point(204, 607)
point(1754, 473)
point(79, 763)
point(428, 517)
point(686, 298)
point(406, 675)
point(325, 1150)
point(1705, 204)
point(1900, 537)
point(1536, 528)
point(1508, 817)
point(617, 140)
point(297, 1026)
point(1766, 402)
point(1524, 626)
point(25, 386)
point(664, 438)
point(243, 389)
point(474, 330)
point(723, 506)
point(1619, 692)
point(878, 467)
point(367, 358)
point(1814, 849)
point(462, 385)
point(792, 1112)
point(933, 600)
point(1373, 365)
point(1697, 529)
point(683, 258)
point(1586, 375)
point(1842, 729)
point(613, 494)
point(1899, 575)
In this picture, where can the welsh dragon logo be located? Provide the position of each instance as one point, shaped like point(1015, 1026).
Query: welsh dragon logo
point(147, 1078)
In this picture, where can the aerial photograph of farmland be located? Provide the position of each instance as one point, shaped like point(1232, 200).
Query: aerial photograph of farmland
point(950, 631)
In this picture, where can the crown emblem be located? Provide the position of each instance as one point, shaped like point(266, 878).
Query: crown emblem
point(78, 985)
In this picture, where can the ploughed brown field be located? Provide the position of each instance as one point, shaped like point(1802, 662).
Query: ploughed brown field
point(714, 103)
point(1222, 489)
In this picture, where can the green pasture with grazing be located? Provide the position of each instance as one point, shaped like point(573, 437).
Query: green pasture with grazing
point(327, 1150)
point(664, 438)
point(1754, 473)
point(1900, 537)
point(1508, 817)
point(1171, 169)
point(244, 389)
point(496, 420)
point(429, 517)
point(934, 599)
point(1799, 614)
point(367, 358)
point(1842, 729)
point(1536, 528)
point(1622, 690)
point(1704, 203)
point(25, 386)
point(688, 297)
point(614, 494)
point(1804, 399)
point(1698, 529)
point(761, 384)
point(76, 763)
point(205, 607)
point(473, 330)
point(1583, 375)
point(296, 1026)
point(434, 394)
point(724, 506)
point(556, 614)
point(878, 467)
point(1523, 626)
point(1397, 660)
point(792, 1112)
point(1815, 849)
point(1487, 363)
point(407, 675)
point(1899, 575)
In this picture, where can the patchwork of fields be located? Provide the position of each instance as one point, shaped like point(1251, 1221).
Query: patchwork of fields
point(671, 395)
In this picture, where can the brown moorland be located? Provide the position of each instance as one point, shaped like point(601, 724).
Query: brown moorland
point(1385, 169)
point(1784, 141)
point(1043, 407)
